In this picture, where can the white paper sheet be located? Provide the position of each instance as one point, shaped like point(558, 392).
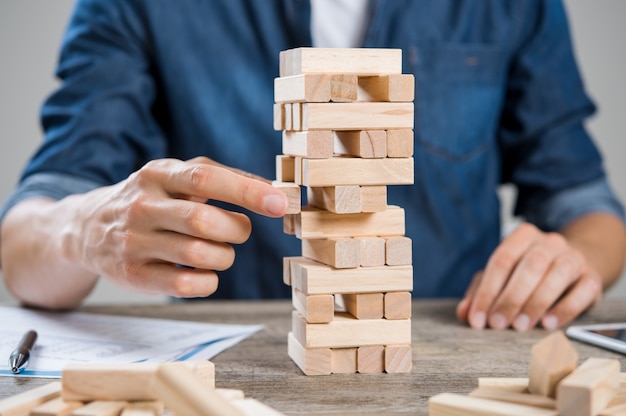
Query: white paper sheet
point(77, 337)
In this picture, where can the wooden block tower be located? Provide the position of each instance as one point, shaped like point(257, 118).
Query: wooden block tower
point(347, 120)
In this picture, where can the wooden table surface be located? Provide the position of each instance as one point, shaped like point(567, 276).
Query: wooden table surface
point(447, 357)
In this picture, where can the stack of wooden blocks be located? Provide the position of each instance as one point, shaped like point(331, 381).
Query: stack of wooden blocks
point(142, 389)
point(556, 385)
point(346, 117)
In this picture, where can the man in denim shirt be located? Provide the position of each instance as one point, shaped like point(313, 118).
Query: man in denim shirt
point(117, 187)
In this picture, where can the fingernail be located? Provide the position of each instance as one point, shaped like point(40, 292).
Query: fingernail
point(275, 204)
point(497, 321)
point(550, 322)
point(478, 320)
point(522, 322)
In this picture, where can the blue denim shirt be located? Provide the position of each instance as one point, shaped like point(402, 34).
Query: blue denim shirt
point(498, 99)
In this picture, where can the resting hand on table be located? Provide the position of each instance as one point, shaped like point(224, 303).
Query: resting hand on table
point(548, 278)
point(135, 233)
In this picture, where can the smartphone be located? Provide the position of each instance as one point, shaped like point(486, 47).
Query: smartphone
point(609, 336)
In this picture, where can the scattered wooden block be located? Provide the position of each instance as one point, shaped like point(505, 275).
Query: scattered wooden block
point(619, 410)
point(370, 359)
point(400, 143)
point(361, 143)
point(364, 305)
point(552, 358)
point(153, 408)
point(398, 359)
point(372, 252)
point(314, 223)
point(340, 253)
point(535, 400)
point(343, 88)
point(345, 331)
point(357, 171)
point(316, 309)
point(56, 407)
point(231, 394)
point(589, 388)
point(314, 278)
point(373, 198)
point(285, 168)
point(312, 88)
point(182, 392)
point(316, 144)
point(447, 404)
point(292, 191)
point(100, 408)
point(512, 384)
point(204, 370)
point(357, 61)
point(397, 305)
point(279, 117)
point(343, 360)
point(23, 403)
point(355, 116)
point(398, 251)
point(312, 361)
point(336, 199)
point(252, 407)
point(394, 88)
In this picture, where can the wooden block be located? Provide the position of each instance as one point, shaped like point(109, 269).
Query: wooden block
point(316, 309)
point(56, 407)
point(512, 384)
point(356, 116)
point(204, 370)
point(343, 88)
point(231, 394)
point(288, 117)
point(314, 278)
point(364, 305)
point(393, 88)
point(296, 116)
point(152, 408)
point(372, 252)
point(552, 358)
point(310, 144)
point(535, 400)
point(312, 88)
point(23, 403)
point(370, 359)
point(340, 253)
point(289, 224)
point(357, 61)
point(100, 408)
point(446, 404)
point(279, 117)
point(619, 410)
point(285, 168)
point(315, 223)
point(287, 268)
point(589, 388)
point(357, 171)
point(400, 143)
point(397, 305)
point(312, 361)
point(343, 360)
point(182, 392)
point(252, 407)
point(361, 143)
point(398, 251)
point(297, 170)
point(292, 191)
point(373, 198)
point(346, 331)
point(337, 199)
point(398, 359)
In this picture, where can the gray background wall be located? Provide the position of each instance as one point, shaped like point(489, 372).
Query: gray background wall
point(30, 33)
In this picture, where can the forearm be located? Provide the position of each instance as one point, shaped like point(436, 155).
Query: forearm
point(601, 238)
point(34, 255)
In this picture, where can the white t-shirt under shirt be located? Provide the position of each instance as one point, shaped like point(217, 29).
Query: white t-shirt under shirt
point(338, 23)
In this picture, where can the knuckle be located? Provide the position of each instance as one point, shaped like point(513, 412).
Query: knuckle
point(503, 260)
point(555, 240)
point(537, 260)
point(200, 176)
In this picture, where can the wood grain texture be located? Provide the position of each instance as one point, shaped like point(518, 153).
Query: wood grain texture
point(340, 253)
point(367, 144)
point(357, 171)
point(356, 61)
point(355, 116)
point(552, 359)
point(336, 199)
point(393, 88)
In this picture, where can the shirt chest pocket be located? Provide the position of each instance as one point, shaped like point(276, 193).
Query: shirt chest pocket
point(459, 95)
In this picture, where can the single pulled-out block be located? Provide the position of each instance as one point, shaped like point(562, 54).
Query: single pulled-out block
point(361, 143)
point(341, 253)
point(589, 388)
point(293, 193)
point(392, 88)
point(447, 404)
point(357, 171)
point(23, 403)
point(316, 309)
point(356, 61)
point(552, 358)
point(315, 223)
point(354, 116)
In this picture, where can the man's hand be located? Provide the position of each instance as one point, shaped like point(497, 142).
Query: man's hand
point(549, 278)
point(137, 233)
